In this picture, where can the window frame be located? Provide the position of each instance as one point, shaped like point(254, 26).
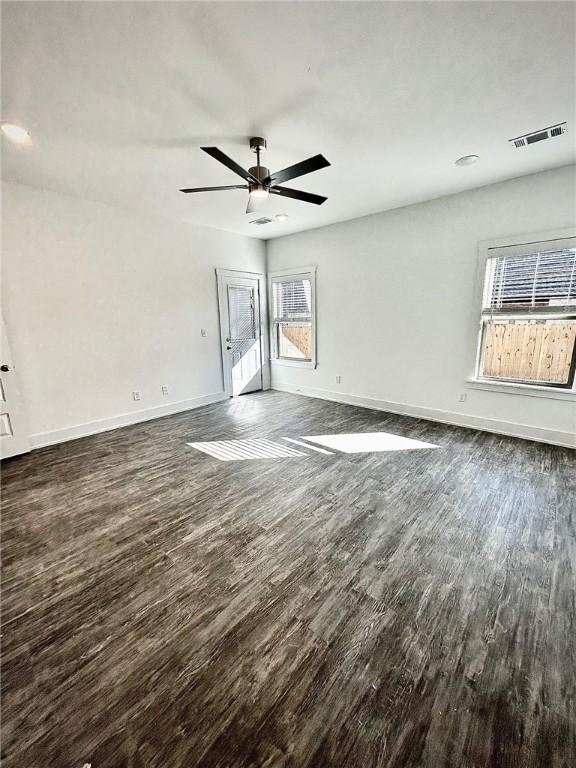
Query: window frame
point(518, 245)
point(295, 273)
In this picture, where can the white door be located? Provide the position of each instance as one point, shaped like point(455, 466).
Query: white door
point(13, 429)
point(241, 334)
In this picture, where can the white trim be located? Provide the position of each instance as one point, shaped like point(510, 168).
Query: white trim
point(488, 249)
point(510, 428)
point(55, 436)
point(532, 238)
point(516, 388)
point(238, 273)
point(292, 271)
point(286, 362)
point(296, 272)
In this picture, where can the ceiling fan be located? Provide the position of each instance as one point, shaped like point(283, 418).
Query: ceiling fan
point(260, 182)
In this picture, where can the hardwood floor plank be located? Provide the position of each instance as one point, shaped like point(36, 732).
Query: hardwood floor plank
point(400, 609)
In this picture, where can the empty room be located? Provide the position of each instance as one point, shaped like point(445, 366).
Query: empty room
point(288, 426)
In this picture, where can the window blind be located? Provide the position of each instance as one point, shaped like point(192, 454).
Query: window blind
point(292, 300)
point(533, 282)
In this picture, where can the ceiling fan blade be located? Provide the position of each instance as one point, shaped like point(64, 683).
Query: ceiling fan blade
point(306, 197)
point(214, 189)
point(300, 169)
point(217, 154)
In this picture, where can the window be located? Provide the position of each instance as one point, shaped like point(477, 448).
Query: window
point(293, 318)
point(528, 324)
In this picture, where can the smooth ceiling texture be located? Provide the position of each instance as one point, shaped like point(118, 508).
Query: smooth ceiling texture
point(119, 96)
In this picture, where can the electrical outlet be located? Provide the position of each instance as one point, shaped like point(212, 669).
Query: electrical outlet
point(136, 395)
point(338, 379)
point(203, 332)
point(462, 397)
point(164, 389)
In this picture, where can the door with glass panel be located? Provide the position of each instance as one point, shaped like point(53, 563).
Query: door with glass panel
point(13, 428)
point(239, 301)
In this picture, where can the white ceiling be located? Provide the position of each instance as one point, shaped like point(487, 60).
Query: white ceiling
point(119, 96)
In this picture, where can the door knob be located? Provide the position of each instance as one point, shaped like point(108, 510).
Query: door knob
point(4, 368)
point(228, 347)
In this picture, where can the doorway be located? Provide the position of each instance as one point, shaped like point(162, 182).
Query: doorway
point(242, 305)
point(13, 429)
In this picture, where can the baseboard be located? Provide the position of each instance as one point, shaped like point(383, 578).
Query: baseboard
point(509, 428)
point(42, 439)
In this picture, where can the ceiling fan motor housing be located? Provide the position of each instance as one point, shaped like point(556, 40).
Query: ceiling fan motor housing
point(259, 171)
point(258, 144)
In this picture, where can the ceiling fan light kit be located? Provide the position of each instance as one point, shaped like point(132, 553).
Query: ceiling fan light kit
point(260, 182)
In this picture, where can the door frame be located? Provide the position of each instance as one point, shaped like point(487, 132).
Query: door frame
point(12, 396)
point(221, 275)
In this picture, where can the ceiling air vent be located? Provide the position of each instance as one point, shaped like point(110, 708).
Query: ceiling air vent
point(545, 133)
point(263, 220)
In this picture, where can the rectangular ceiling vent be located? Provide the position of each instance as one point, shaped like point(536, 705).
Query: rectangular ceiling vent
point(545, 133)
point(263, 220)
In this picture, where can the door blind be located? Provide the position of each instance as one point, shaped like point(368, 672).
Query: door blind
point(534, 282)
point(292, 300)
point(241, 313)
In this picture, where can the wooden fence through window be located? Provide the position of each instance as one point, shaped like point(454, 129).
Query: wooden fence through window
point(301, 337)
point(529, 352)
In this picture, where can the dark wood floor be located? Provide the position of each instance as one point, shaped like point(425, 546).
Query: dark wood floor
point(412, 609)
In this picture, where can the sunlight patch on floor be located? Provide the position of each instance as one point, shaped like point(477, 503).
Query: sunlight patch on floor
point(367, 442)
point(310, 447)
point(357, 442)
point(242, 450)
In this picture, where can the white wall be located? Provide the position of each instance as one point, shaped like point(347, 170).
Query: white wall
point(99, 302)
point(397, 307)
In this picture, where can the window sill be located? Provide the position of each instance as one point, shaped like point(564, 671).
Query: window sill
point(533, 390)
point(294, 363)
